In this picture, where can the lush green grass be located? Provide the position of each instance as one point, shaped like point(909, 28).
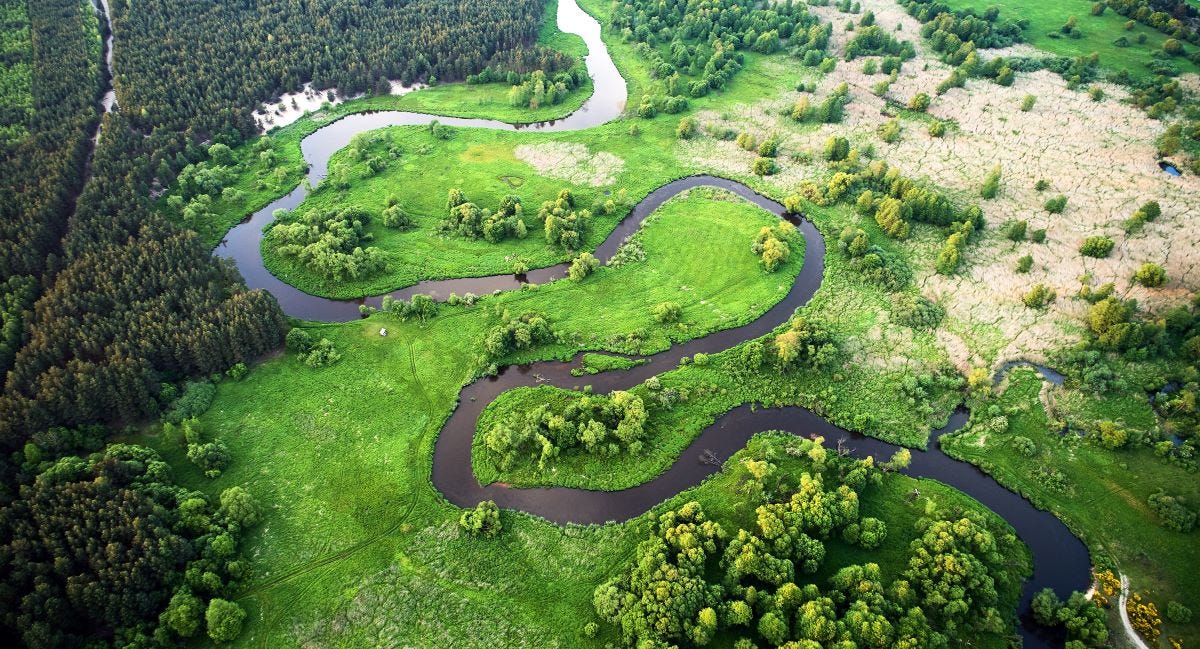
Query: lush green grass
point(1102, 496)
point(597, 363)
point(16, 93)
point(1099, 32)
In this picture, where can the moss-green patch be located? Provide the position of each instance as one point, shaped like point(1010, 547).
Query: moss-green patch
point(597, 363)
point(1100, 33)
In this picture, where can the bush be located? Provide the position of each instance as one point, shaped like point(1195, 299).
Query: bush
point(1027, 103)
point(395, 217)
point(1173, 511)
point(771, 244)
point(1178, 613)
point(764, 167)
point(583, 265)
point(686, 128)
point(1097, 247)
point(224, 620)
point(917, 311)
point(322, 353)
point(298, 341)
point(937, 129)
point(1038, 296)
point(1014, 230)
point(1041, 185)
point(667, 312)
point(1038, 235)
point(991, 187)
point(483, 520)
point(1150, 275)
point(1056, 205)
point(1024, 264)
point(890, 131)
point(919, 102)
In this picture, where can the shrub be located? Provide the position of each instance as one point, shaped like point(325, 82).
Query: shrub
point(395, 217)
point(890, 131)
point(919, 102)
point(1038, 296)
point(686, 128)
point(764, 167)
point(1178, 613)
point(1173, 511)
point(1150, 275)
point(937, 129)
point(1014, 230)
point(1098, 247)
point(483, 520)
point(917, 311)
point(1038, 235)
point(1024, 446)
point(667, 312)
point(322, 353)
point(1027, 103)
point(1056, 205)
point(991, 187)
point(583, 265)
point(298, 341)
point(1041, 185)
point(1024, 264)
point(769, 147)
point(836, 148)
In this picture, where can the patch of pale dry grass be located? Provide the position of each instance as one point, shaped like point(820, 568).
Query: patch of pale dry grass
point(572, 162)
point(1101, 155)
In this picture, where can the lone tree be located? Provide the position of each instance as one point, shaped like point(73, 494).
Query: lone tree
point(483, 520)
point(224, 620)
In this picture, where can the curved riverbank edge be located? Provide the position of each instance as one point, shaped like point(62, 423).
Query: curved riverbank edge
point(1061, 560)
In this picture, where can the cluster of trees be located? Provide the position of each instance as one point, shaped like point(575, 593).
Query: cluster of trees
point(107, 546)
point(694, 46)
point(536, 89)
point(514, 333)
point(469, 220)
point(957, 33)
point(564, 225)
point(874, 263)
point(1084, 621)
point(1179, 20)
point(514, 66)
point(771, 244)
point(603, 425)
point(1173, 511)
point(872, 40)
point(329, 243)
point(314, 353)
point(831, 110)
point(482, 520)
point(692, 578)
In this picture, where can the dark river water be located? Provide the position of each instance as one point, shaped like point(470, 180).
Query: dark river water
point(1060, 559)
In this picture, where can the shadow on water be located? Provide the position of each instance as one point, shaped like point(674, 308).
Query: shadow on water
point(1060, 560)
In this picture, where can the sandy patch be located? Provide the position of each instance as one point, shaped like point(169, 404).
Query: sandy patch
point(572, 162)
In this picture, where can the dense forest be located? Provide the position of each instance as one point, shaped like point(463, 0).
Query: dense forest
point(107, 310)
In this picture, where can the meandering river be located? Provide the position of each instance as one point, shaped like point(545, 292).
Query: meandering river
point(1061, 561)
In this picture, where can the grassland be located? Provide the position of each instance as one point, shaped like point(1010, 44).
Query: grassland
point(16, 54)
point(1100, 494)
point(1099, 33)
point(358, 549)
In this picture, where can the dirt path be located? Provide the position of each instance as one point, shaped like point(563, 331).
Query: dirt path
point(1134, 638)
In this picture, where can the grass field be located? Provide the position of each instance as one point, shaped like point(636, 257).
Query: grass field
point(1100, 494)
point(1099, 32)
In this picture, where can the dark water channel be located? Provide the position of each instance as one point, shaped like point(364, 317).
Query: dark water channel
point(1060, 559)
